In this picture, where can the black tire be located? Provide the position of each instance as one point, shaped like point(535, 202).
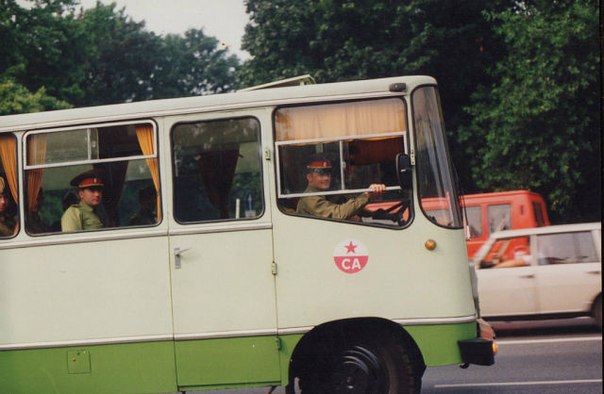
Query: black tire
point(597, 312)
point(363, 366)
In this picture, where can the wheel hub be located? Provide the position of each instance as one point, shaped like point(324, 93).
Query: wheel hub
point(359, 371)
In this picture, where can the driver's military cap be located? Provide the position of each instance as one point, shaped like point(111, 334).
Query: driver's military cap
point(319, 163)
point(86, 179)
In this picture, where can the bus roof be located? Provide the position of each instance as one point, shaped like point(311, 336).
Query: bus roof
point(215, 102)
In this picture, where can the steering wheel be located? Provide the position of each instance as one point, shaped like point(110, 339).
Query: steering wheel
point(394, 213)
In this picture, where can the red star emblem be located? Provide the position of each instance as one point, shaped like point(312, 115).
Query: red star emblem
point(350, 248)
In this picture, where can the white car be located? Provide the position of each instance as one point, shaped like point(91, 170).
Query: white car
point(538, 273)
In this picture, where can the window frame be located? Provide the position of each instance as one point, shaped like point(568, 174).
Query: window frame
point(474, 209)
point(449, 191)
point(88, 127)
point(261, 174)
point(278, 143)
point(17, 207)
point(496, 208)
point(574, 242)
point(343, 190)
point(26, 166)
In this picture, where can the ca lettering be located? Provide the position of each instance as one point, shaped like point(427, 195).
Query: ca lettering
point(349, 264)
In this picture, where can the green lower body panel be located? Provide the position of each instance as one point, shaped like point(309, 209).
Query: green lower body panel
point(288, 344)
point(156, 367)
point(438, 343)
point(228, 362)
point(124, 368)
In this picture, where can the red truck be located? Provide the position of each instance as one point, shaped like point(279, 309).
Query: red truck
point(490, 212)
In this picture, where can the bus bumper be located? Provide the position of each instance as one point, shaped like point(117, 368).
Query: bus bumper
point(481, 350)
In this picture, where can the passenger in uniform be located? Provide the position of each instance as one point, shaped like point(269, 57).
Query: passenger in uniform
point(318, 175)
point(87, 214)
point(147, 213)
point(8, 218)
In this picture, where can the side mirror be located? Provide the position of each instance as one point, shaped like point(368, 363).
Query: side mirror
point(403, 170)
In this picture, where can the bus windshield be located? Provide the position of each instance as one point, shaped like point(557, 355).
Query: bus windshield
point(437, 192)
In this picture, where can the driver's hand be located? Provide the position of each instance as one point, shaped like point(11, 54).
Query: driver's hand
point(377, 188)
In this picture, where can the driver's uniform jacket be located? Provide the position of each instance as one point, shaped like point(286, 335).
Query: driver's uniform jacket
point(81, 217)
point(321, 206)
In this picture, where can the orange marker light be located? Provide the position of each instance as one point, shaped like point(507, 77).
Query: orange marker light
point(430, 244)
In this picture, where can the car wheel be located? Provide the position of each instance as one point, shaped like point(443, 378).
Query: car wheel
point(597, 312)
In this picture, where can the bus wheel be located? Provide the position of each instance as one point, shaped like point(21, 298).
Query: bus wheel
point(364, 367)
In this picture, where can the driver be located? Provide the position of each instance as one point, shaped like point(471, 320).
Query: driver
point(318, 175)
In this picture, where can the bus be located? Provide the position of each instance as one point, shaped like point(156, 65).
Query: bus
point(497, 211)
point(225, 283)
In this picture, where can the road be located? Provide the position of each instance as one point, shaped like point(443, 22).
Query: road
point(562, 356)
point(533, 358)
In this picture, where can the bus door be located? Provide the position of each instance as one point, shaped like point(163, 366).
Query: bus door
point(221, 253)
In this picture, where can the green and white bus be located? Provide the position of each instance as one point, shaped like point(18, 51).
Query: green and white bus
point(226, 284)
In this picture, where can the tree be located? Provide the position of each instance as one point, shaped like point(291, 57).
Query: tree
point(10, 54)
point(101, 56)
point(131, 64)
point(15, 98)
point(24, 44)
point(122, 60)
point(50, 50)
point(538, 126)
point(518, 79)
point(336, 40)
point(41, 52)
point(193, 65)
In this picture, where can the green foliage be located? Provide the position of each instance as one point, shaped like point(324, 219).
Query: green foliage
point(538, 126)
point(36, 56)
point(193, 65)
point(48, 49)
point(101, 56)
point(122, 57)
point(332, 40)
point(10, 56)
point(519, 79)
point(15, 98)
point(341, 40)
point(336, 40)
point(132, 64)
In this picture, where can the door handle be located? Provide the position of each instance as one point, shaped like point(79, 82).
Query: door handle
point(527, 276)
point(177, 253)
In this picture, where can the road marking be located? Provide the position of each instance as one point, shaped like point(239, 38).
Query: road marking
point(560, 382)
point(557, 340)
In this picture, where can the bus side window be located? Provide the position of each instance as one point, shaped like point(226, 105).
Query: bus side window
point(331, 155)
point(124, 157)
point(9, 197)
point(217, 170)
